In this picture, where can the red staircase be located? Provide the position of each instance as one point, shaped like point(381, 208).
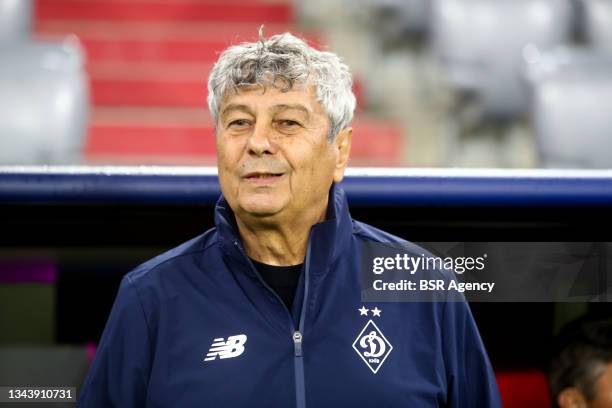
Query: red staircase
point(148, 62)
point(166, 10)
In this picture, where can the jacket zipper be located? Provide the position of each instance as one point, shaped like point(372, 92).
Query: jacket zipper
point(297, 343)
point(298, 338)
point(296, 335)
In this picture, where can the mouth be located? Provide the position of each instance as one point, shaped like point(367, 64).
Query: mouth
point(263, 177)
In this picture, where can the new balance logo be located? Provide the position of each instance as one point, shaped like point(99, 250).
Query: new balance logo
point(233, 347)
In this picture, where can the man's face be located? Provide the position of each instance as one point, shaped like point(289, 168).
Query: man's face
point(274, 159)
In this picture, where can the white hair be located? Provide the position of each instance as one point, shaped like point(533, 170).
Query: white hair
point(283, 61)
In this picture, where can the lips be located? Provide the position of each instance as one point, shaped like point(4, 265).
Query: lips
point(263, 177)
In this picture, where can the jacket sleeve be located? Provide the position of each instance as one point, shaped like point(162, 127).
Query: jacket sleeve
point(119, 374)
point(471, 380)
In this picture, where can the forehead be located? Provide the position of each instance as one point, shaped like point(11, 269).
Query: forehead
point(257, 97)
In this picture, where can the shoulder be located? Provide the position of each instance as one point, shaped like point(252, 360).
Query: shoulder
point(367, 233)
point(375, 242)
point(189, 253)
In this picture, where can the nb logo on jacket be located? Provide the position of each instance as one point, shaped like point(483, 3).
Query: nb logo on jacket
point(233, 347)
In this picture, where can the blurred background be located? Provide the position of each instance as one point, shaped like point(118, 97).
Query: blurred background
point(440, 83)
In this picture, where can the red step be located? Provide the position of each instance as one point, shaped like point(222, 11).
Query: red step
point(161, 135)
point(149, 84)
point(165, 10)
point(119, 41)
point(156, 84)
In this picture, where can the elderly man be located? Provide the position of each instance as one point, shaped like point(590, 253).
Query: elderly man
point(265, 309)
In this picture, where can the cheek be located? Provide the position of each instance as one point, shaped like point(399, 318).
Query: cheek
point(228, 153)
point(604, 399)
point(228, 161)
point(323, 161)
point(315, 168)
point(603, 391)
point(222, 145)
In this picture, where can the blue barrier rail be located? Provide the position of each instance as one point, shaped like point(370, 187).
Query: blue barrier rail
point(153, 185)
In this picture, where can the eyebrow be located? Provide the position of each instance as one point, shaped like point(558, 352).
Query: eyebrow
point(276, 108)
point(236, 107)
point(295, 106)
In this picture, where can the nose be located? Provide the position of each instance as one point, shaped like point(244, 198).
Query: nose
point(259, 142)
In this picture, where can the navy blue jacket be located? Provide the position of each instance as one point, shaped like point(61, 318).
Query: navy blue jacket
point(198, 327)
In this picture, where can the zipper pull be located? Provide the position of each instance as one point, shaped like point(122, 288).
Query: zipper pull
point(297, 343)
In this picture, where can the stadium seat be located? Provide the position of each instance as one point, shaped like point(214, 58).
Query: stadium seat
point(572, 95)
point(44, 102)
point(598, 23)
point(15, 19)
point(396, 19)
point(481, 45)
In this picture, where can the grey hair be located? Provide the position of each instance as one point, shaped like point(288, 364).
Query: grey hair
point(283, 61)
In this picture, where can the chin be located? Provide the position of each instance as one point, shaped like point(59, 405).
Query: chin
point(261, 208)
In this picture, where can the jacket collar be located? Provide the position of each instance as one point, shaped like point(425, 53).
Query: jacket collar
point(326, 241)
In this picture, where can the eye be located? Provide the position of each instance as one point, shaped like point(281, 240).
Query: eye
point(239, 123)
point(288, 123)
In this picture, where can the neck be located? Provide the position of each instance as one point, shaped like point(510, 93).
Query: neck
point(279, 243)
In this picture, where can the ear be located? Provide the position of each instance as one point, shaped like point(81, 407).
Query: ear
point(571, 398)
point(342, 146)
